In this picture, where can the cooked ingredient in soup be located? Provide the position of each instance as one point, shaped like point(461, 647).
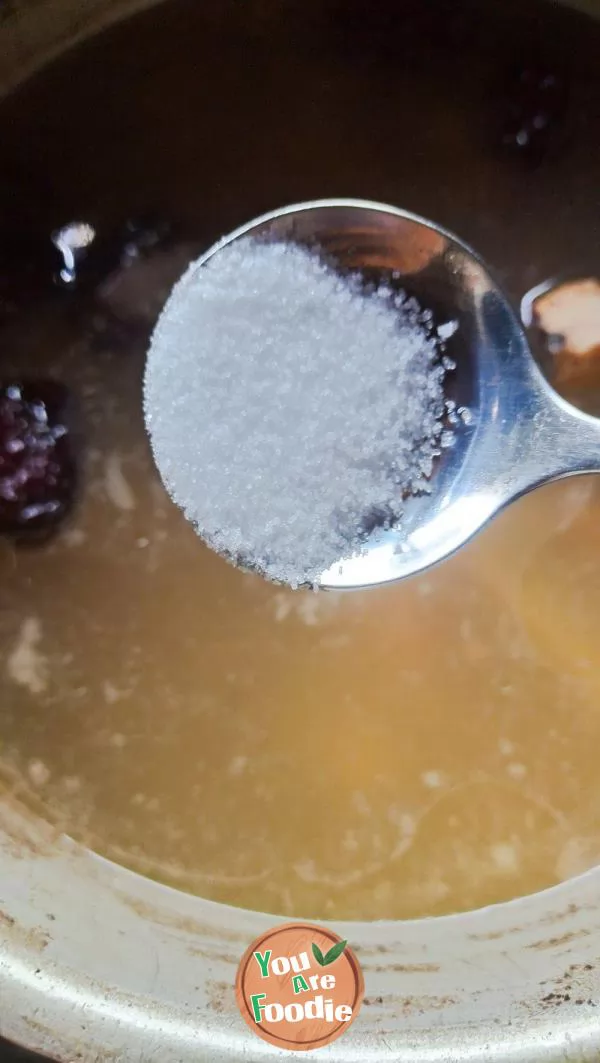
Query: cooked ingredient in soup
point(37, 468)
point(569, 315)
point(291, 408)
point(422, 748)
point(567, 321)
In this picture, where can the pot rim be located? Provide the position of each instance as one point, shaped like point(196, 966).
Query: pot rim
point(96, 959)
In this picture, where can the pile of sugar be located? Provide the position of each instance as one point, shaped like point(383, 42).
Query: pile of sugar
point(289, 408)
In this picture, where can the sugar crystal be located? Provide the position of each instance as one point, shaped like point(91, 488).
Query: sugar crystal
point(289, 410)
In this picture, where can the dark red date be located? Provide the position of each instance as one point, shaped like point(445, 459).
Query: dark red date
point(37, 468)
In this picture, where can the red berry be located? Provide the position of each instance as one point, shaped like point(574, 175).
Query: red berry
point(37, 470)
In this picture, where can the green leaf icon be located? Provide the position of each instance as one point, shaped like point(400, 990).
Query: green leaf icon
point(335, 951)
point(331, 956)
point(318, 955)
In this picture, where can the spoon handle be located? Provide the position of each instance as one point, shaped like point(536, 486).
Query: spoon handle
point(548, 440)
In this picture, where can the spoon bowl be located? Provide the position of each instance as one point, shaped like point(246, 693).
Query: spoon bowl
point(510, 431)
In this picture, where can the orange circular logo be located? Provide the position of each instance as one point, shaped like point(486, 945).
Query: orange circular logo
point(299, 986)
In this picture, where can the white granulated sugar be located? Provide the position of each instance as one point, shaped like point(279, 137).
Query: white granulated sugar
point(288, 406)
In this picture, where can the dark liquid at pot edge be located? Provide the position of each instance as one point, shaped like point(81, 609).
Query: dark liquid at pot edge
point(210, 114)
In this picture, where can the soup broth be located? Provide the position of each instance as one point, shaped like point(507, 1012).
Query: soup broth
point(419, 749)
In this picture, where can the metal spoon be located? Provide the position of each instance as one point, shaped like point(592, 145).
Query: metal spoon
point(515, 433)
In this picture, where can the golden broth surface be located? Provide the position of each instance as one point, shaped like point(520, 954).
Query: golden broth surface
point(424, 748)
